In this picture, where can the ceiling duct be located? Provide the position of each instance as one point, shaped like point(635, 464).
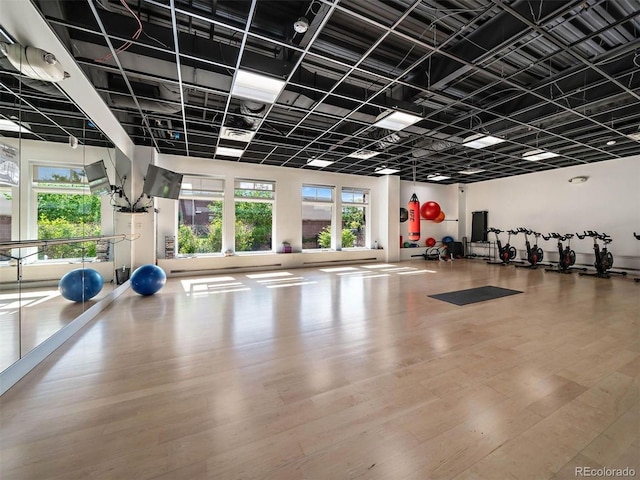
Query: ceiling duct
point(47, 88)
point(386, 138)
point(168, 100)
point(435, 146)
point(34, 62)
point(250, 115)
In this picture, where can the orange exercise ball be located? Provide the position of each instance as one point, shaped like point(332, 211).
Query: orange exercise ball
point(439, 218)
point(430, 210)
point(430, 242)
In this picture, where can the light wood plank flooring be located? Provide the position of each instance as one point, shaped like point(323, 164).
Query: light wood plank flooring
point(349, 372)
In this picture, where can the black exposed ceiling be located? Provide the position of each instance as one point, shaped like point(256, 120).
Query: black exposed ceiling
point(559, 76)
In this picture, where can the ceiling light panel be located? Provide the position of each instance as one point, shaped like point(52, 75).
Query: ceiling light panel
point(634, 136)
point(229, 152)
point(386, 171)
point(9, 126)
point(253, 86)
point(535, 155)
point(396, 120)
point(437, 178)
point(319, 163)
point(481, 141)
point(472, 171)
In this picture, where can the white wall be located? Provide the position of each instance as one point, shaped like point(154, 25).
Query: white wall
point(287, 214)
point(546, 202)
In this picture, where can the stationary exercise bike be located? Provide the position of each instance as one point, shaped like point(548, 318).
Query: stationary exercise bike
point(604, 258)
point(534, 253)
point(506, 253)
point(637, 280)
point(566, 256)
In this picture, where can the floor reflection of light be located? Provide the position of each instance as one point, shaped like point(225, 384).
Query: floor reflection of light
point(337, 269)
point(188, 284)
point(280, 285)
point(398, 269)
point(277, 280)
point(416, 272)
point(379, 265)
point(269, 275)
point(225, 290)
point(26, 299)
point(353, 274)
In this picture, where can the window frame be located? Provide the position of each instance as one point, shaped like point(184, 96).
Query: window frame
point(366, 193)
point(253, 199)
point(202, 194)
point(322, 202)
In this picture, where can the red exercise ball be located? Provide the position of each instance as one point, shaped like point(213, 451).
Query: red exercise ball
point(430, 242)
point(430, 210)
point(439, 218)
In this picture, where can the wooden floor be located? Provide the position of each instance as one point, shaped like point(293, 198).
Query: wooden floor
point(349, 373)
point(31, 315)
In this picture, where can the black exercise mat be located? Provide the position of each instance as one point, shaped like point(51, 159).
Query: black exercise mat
point(473, 295)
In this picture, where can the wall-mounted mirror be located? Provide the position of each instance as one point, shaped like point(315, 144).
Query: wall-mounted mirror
point(47, 149)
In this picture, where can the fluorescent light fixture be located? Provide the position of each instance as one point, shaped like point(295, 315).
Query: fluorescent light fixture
point(395, 120)
point(472, 171)
point(253, 86)
point(436, 177)
point(186, 186)
point(634, 136)
point(535, 155)
point(481, 140)
point(9, 126)
point(237, 134)
point(363, 154)
point(229, 152)
point(611, 142)
point(386, 171)
point(318, 163)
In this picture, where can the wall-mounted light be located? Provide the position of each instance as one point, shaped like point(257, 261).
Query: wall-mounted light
point(579, 179)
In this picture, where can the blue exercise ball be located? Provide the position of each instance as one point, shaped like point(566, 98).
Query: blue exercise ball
point(447, 239)
point(80, 284)
point(147, 279)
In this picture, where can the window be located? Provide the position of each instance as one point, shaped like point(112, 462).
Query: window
point(254, 215)
point(354, 214)
point(317, 213)
point(200, 215)
point(65, 209)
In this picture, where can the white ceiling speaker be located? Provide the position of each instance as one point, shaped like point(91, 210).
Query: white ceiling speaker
point(580, 179)
point(301, 25)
